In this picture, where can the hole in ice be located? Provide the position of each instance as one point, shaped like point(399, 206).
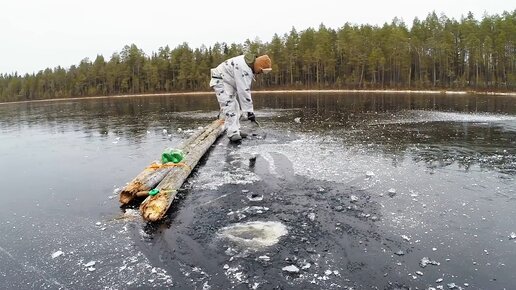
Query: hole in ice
point(255, 234)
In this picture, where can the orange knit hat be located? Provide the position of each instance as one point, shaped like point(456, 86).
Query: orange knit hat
point(262, 62)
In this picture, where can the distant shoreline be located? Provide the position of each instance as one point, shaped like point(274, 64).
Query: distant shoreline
point(511, 94)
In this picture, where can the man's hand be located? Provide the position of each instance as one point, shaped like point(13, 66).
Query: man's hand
point(251, 117)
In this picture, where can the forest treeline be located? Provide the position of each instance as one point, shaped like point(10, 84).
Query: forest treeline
point(435, 53)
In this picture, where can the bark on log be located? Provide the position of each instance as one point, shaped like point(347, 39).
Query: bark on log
point(155, 207)
point(153, 174)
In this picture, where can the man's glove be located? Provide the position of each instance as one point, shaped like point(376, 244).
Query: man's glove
point(251, 117)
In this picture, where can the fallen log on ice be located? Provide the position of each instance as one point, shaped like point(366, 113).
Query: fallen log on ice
point(153, 174)
point(154, 207)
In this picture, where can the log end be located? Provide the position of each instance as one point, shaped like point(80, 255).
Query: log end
point(155, 207)
point(129, 193)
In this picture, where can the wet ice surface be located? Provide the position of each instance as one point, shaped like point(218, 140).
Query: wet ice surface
point(393, 199)
point(350, 205)
point(76, 253)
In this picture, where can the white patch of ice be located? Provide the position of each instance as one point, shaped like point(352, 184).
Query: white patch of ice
point(213, 179)
point(291, 269)
point(57, 254)
point(327, 161)
point(255, 197)
point(131, 213)
point(257, 234)
point(421, 116)
point(425, 261)
point(265, 258)
point(90, 264)
point(306, 266)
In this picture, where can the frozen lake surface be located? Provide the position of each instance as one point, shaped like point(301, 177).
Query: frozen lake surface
point(335, 191)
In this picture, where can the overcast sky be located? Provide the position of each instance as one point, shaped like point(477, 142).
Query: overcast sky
point(36, 34)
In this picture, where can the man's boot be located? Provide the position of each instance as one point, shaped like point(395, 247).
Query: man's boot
point(235, 138)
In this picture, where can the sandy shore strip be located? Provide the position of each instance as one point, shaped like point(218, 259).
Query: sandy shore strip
point(512, 94)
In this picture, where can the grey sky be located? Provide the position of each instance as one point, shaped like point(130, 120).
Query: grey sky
point(36, 34)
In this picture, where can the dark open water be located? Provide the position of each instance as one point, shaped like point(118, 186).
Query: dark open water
point(353, 190)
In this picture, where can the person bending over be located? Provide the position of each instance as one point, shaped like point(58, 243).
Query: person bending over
point(231, 81)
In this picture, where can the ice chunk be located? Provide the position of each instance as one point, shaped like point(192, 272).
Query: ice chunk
point(369, 174)
point(91, 269)
point(419, 273)
point(328, 272)
point(400, 253)
point(57, 254)
point(306, 266)
point(265, 258)
point(425, 261)
point(297, 120)
point(291, 269)
point(254, 197)
point(353, 198)
point(406, 238)
point(311, 216)
point(512, 236)
point(391, 192)
point(439, 280)
point(90, 264)
point(452, 286)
